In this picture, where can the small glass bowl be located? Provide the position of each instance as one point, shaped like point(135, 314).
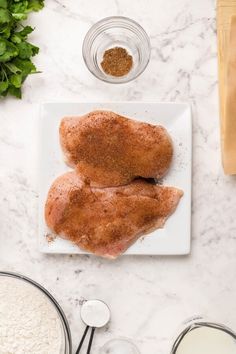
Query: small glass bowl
point(195, 323)
point(118, 346)
point(67, 343)
point(116, 31)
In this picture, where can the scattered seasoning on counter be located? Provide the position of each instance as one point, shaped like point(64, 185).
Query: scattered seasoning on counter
point(117, 62)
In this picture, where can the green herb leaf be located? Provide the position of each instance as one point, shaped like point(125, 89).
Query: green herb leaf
point(35, 5)
point(16, 38)
point(35, 50)
point(25, 50)
point(10, 52)
point(26, 66)
point(19, 16)
point(3, 4)
point(19, 9)
point(25, 32)
point(3, 86)
point(12, 68)
point(5, 30)
point(3, 46)
point(5, 16)
point(12, 90)
point(15, 51)
point(16, 80)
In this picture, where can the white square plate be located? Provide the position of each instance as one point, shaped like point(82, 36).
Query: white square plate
point(174, 238)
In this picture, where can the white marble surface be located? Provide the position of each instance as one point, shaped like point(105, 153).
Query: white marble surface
point(149, 296)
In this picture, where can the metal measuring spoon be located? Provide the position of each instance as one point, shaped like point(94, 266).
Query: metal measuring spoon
point(95, 314)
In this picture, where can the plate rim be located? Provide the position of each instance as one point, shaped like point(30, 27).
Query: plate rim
point(186, 106)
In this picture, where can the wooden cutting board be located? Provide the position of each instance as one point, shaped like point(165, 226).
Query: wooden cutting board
point(226, 31)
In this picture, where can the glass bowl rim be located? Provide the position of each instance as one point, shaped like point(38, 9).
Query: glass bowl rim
point(198, 323)
point(121, 338)
point(50, 298)
point(103, 21)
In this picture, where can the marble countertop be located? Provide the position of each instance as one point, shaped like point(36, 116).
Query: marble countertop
point(149, 296)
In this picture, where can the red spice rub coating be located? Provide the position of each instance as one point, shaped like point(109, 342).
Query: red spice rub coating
point(107, 221)
point(111, 150)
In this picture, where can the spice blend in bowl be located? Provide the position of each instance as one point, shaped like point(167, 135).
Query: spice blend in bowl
point(117, 61)
point(116, 50)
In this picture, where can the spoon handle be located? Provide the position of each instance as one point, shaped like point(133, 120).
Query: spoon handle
point(91, 340)
point(82, 340)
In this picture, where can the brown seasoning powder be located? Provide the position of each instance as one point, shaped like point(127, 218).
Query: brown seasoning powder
point(117, 62)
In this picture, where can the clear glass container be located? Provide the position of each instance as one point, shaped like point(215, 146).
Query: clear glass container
point(119, 346)
point(195, 323)
point(66, 346)
point(113, 32)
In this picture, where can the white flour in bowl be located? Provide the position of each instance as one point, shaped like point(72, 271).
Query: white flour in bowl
point(29, 323)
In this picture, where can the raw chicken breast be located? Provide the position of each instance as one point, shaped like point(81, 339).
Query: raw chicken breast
point(110, 150)
point(107, 221)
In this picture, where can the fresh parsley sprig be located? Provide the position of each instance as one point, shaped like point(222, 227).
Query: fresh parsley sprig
point(15, 50)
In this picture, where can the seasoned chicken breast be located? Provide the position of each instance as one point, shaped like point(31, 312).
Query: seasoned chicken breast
point(106, 221)
point(110, 150)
